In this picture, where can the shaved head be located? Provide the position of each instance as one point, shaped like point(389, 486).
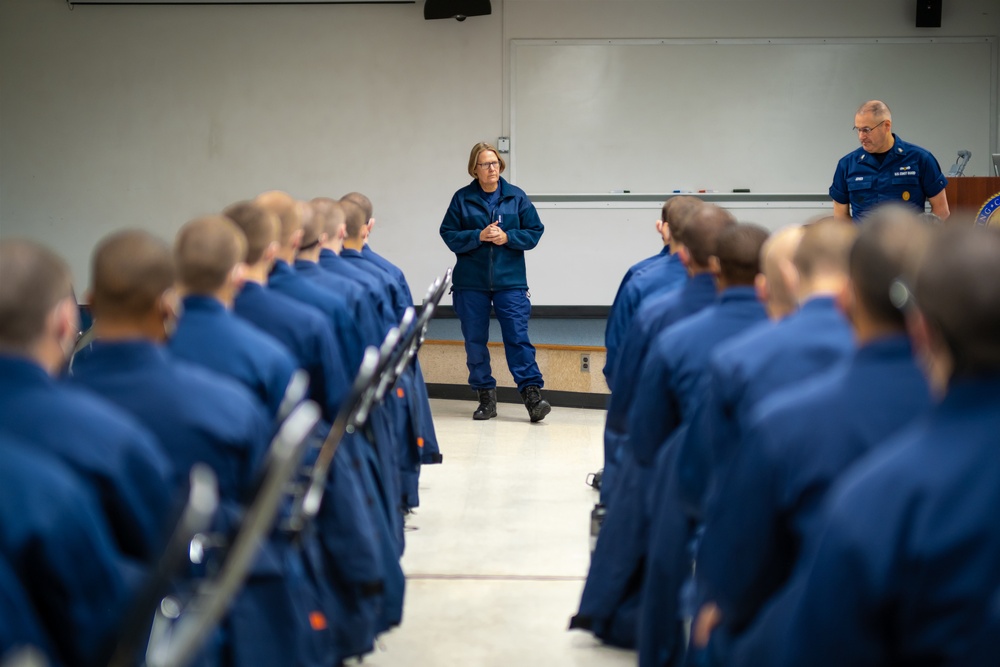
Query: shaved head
point(777, 252)
point(287, 210)
point(354, 219)
point(678, 210)
point(259, 227)
point(824, 248)
point(331, 214)
point(130, 271)
point(958, 290)
point(205, 252)
point(738, 250)
point(700, 233)
point(360, 200)
point(312, 226)
point(33, 281)
point(891, 243)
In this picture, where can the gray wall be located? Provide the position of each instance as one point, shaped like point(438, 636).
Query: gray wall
point(148, 116)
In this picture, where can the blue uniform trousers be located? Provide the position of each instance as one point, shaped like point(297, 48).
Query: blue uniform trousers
point(660, 638)
point(512, 310)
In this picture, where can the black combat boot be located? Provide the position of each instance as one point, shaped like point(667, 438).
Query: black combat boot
point(537, 406)
point(487, 404)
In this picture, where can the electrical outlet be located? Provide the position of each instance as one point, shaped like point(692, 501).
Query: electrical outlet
point(584, 363)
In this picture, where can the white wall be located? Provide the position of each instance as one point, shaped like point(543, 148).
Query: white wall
point(148, 116)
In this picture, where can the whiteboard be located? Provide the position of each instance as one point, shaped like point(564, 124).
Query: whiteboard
point(593, 116)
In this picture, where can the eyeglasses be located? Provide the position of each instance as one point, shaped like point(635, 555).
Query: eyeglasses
point(489, 166)
point(865, 130)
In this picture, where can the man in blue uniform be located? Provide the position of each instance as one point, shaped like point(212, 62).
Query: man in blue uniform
point(307, 264)
point(209, 254)
point(675, 367)
point(61, 551)
point(885, 169)
point(672, 377)
point(668, 564)
point(119, 461)
point(287, 281)
point(307, 334)
point(666, 236)
point(331, 214)
point(415, 400)
point(198, 415)
point(661, 275)
point(751, 366)
point(695, 232)
point(905, 562)
point(301, 328)
point(802, 438)
point(365, 204)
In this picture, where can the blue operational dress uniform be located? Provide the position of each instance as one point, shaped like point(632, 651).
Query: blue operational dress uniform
point(668, 389)
point(746, 370)
point(905, 564)
point(287, 281)
point(636, 268)
point(20, 627)
point(55, 539)
point(304, 331)
point(740, 373)
point(488, 274)
point(201, 416)
point(800, 440)
point(120, 461)
point(908, 175)
point(209, 335)
point(362, 310)
point(654, 316)
point(398, 294)
point(675, 368)
point(406, 418)
point(377, 284)
point(371, 286)
point(198, 415)
point(390, 268)
point(665, 273)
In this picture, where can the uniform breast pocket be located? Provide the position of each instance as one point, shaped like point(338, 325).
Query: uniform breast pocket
point(859, 184)
point(509, 220)
point(860, 189)
point(907, 187)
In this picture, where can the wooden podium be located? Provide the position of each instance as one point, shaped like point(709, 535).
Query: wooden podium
point(968, 194)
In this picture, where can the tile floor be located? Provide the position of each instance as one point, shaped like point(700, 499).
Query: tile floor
point(499, 549)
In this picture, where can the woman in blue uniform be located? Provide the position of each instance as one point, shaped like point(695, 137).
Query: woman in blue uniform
point(489, 225)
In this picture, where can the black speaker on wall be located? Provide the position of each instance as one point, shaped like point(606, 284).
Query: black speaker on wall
point(929, 13)
point(456, 9)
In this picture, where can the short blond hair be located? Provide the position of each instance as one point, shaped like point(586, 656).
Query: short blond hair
point(33, 281)
point(206, 250)
point(481, 147)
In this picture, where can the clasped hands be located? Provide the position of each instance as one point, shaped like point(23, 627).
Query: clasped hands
point(493, 234)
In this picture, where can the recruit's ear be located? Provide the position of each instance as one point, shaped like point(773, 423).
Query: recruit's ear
point(762, 288)
point(931, 351)
point(238, 276)
point(168, 309)
point(64, 325)
point(847, 300)
point(296, 239)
